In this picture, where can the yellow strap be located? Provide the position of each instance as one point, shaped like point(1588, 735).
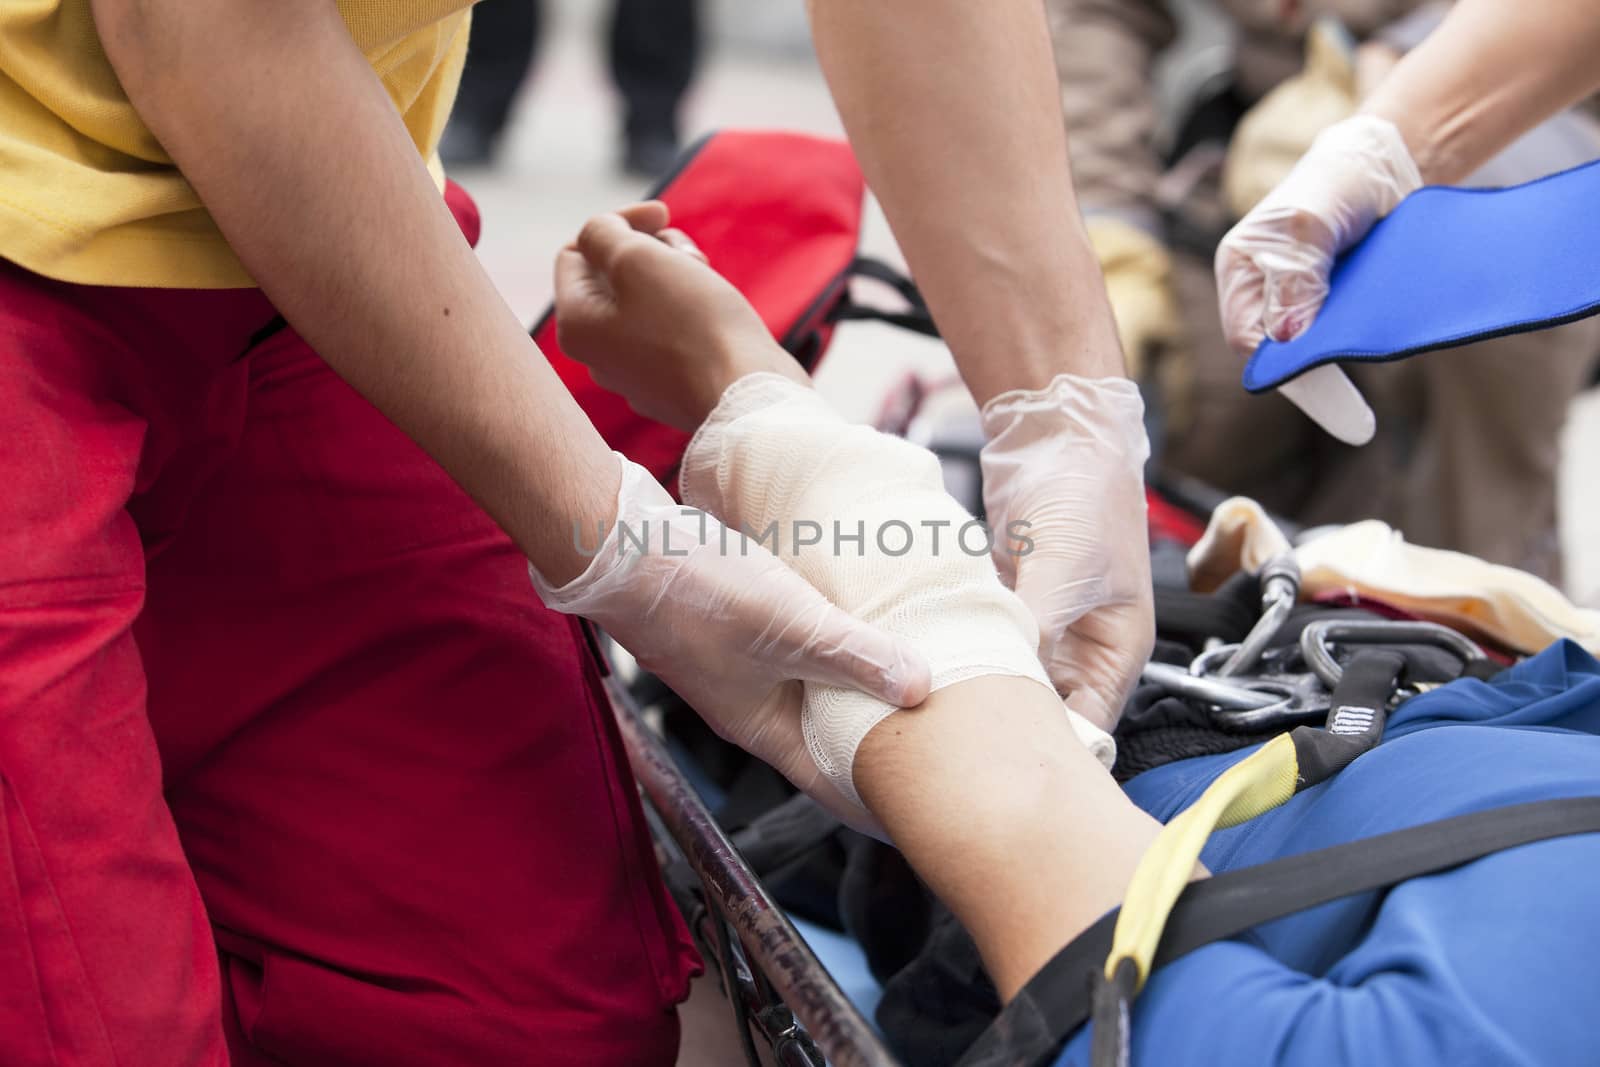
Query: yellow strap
point(1247, 789)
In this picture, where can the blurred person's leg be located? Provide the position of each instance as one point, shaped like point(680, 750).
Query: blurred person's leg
point(654, 49)
point(505, 36)
point(1105, 51)
point(1484, 477)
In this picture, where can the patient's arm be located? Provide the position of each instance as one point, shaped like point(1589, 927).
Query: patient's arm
point(1006, 816)
point(863, 517)
point(986, 787)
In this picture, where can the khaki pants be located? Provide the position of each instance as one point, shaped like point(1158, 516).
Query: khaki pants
point(1466, 453)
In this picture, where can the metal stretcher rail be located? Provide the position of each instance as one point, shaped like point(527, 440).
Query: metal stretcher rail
point(770, 941)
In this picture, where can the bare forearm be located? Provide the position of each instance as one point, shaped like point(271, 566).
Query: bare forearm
point(1006, 816)
point(1490, 72)
point(952, 108)
point(321, 193)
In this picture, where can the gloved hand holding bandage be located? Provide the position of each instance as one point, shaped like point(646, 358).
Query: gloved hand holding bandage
point(1063, 473)
point(865, 519)
point(732, 634)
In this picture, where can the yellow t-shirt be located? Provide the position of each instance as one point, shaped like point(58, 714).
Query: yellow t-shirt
point(86, 193)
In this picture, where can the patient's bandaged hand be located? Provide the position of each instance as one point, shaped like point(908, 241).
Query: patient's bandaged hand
point(865, 518)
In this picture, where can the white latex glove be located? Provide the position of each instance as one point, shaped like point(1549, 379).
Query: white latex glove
point(726, 628)
point(1273, 267)
point(1064, 467)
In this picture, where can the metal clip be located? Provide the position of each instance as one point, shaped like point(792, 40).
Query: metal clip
point(1280, 588)
point(1317, 639)
point(1250, 703)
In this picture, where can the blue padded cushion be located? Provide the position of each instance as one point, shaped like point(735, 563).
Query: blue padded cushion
point(1450, 266)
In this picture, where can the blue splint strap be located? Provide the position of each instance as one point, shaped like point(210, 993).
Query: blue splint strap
point(1451, 266)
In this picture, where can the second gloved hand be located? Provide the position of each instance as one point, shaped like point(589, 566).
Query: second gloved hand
point(1063, 487)
point(1273, 267)
point(728, 626)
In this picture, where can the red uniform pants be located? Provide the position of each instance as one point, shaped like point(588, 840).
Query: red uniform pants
point(274, 692)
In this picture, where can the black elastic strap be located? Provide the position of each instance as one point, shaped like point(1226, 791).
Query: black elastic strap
point(1109, 1005)
point(890, 275)
point(1357, 712)
point(916, 321)
point(1058, 1000)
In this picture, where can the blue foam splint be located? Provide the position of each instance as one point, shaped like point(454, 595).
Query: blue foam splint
point(1451, 266)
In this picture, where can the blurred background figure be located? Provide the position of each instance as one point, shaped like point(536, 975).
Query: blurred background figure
point(652, 47)
point(1468, 445)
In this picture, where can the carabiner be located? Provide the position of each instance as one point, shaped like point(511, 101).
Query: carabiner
point(1317, 637)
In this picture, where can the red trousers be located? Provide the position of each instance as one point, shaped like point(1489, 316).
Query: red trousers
point(275, 693)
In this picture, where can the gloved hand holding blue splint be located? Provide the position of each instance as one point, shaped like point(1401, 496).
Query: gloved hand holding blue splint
point(1349, 258)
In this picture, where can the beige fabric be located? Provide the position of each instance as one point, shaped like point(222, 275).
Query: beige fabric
point(1138, 275)
point(1240, 537)
point(1509, 607)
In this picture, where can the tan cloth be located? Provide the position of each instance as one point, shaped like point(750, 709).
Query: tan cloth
point(1105, 53)
point(1506, 606)
point(1138, 274)
point(1239, 537)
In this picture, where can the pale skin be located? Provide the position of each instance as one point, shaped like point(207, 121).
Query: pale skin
point(1490, 72)
point(387, 292)
point(391, 296)
point(1006, 816)
point(953, 111)
point(983, 773)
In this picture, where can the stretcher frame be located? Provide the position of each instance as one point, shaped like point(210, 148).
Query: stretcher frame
point(778, 990)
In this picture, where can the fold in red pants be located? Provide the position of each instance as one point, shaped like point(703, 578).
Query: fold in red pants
point(274, 691)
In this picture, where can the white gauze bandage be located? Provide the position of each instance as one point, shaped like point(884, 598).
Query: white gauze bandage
point(863, 517)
